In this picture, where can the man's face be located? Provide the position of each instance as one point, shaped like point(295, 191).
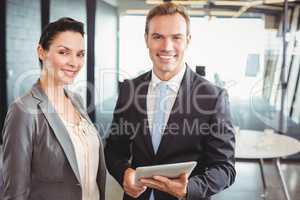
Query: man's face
point(167, 41)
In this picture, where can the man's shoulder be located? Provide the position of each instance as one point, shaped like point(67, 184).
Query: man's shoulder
point(204, 85)
point(143, 78)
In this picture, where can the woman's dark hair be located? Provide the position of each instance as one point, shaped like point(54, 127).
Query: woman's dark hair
point(56, 27)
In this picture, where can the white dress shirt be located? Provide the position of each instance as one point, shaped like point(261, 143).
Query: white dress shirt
point(173, 87)
point(86, 144)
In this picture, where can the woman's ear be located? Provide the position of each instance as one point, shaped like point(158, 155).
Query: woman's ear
point(41, 52)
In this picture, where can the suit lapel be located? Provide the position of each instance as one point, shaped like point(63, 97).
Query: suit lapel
point(79, 107)
point(142, 103)
point(77, 103)
point(58, 128)
point(179, 107)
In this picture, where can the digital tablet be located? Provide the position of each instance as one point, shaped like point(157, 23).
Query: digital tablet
point(167, 170)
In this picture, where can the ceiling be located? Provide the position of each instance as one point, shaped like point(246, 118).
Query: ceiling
point(221, 8)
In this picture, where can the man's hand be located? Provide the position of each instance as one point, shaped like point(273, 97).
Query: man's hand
point(175, 187)
point(129, 185)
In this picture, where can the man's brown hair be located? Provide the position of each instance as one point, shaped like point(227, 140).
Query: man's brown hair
point(167, 9)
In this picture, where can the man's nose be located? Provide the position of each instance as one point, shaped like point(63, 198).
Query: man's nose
point(167, 44)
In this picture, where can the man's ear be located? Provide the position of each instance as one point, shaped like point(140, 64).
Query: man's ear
point(146, 39)
point(41, 52)
point(188, 39)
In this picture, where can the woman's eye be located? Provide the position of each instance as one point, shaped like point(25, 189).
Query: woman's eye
point(81, 55)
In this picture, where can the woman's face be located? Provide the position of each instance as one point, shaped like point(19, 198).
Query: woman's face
point(64, 58)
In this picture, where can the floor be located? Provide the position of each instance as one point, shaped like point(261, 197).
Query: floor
point(248, 184)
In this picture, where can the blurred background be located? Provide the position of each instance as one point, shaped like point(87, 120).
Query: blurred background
point(249, 47)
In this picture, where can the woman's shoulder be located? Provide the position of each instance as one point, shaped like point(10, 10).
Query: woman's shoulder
point(25, 103)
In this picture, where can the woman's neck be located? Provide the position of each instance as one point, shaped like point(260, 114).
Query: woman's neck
point(59, 100)
point(54, 91)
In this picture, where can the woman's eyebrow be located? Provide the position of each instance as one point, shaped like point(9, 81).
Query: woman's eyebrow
point(64, 47)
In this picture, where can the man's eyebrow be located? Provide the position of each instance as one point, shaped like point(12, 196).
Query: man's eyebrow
point(156, 34)
point(178, 34)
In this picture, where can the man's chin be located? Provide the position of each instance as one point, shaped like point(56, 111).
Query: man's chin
point(167, 67)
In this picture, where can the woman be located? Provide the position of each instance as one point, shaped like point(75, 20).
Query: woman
point(51, 150)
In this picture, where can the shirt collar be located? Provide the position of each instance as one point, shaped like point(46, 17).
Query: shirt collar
point(173, 83)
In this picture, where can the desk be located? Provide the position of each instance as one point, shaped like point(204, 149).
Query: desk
point(260, 145)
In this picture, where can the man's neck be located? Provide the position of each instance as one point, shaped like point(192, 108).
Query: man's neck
point(165, 75)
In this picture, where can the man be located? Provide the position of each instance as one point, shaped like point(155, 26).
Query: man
point(171, 115)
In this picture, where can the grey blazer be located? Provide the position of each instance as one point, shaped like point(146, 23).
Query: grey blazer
point(39, 161)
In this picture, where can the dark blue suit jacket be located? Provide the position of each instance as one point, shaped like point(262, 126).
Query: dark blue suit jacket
point(199, 129)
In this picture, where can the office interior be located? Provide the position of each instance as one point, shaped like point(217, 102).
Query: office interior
point(249, 47)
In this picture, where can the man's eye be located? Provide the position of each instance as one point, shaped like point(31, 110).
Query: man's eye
point(157, 37)
point(177, 38)
point(63, 53)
